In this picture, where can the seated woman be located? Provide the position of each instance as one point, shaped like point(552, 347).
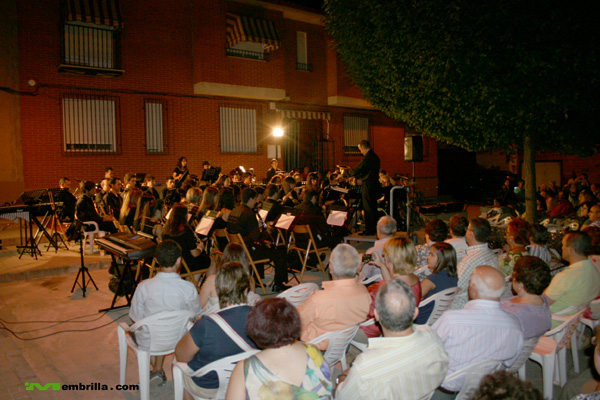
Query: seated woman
point(209, 202)
point(539, 238)
point(287, 194)
point(224, 206)
point(129, 207)
point(530, 277)
point(178, 230)
point(517, 237)
point(208, 293)
point(207, 341)
point(436, 231)
point(285, 369)
point(399, 262)
point(442, 262)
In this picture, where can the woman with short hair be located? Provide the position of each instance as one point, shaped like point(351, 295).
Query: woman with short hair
point(286, 368)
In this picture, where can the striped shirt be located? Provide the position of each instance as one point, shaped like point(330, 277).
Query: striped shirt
point(476, 256)
point(481, 331)
point(540, 252)
point(408, 367)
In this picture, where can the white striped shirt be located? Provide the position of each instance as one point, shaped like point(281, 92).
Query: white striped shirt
point(540, 252)
point(481, 331)
point(391, 368)
point(476, 256)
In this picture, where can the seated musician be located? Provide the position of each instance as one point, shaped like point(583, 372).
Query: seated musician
point(224, 206)
point(288, 194)
point(271, 172)
point(181, 172)
point(129, 207)
point(209, 174)
point(101, 195)
point(276, 179)
point(210, 197)
point(313, 182)
point(86, 211)
point(113, 198)
point(66, 213)
point(192, 249)
point(242, 220)
point(149, 186)
point(170, 194)
point(312, 216)
point(272, 198)
point(247, 178)
point(129, 182)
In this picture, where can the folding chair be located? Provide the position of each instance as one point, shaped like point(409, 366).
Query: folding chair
point(187, 273)
point(237, 238)
point(311, 248)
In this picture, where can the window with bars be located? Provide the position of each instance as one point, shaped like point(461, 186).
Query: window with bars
point(87, 45)
point(238, 130)
point(302, 52)
point(355, 130)
point(90, 123)
point(155, 112)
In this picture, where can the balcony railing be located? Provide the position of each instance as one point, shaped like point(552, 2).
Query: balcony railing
point(304, 67)
point(253, 55)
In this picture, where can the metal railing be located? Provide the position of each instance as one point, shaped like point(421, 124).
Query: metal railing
point(254, 55)
point(304, 67)
point(90, 47)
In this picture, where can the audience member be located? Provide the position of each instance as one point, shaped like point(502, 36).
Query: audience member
point(579, 283)
point(482, 330)
point(436, 231)
point(442, 262)
point(517, 237)
point(458, 229)
point(478, 253)
point(408, 362)
point(165, 292)
point(502, 385)
point(341, 303)
point(218, 335)
point(530, 277)
point(386, 227)
point(538, 243)
point(594, 216)
point(596, 394)
point(285, 369)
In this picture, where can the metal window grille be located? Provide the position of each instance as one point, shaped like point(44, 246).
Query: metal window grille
point(355, 130)
point(89, 46)
point(301, 47)
point(238, 130)
point(156, 124)
point(90, 123)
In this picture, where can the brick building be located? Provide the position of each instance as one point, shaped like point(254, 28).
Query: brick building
point(136, 84)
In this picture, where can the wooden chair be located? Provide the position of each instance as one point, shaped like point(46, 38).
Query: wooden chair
point(311, 248)
point(186, 273)
point(218, 234)
point(237, 238)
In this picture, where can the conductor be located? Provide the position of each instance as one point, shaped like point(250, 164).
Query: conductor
point(368, 172)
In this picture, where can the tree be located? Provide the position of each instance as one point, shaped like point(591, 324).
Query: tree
point(496, 74)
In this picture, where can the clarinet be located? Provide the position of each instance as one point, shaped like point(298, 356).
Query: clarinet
point(265, 227)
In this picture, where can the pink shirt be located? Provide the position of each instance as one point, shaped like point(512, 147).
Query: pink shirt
point(341, 303)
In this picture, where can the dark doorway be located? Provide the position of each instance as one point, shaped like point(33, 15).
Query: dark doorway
point(456, 172)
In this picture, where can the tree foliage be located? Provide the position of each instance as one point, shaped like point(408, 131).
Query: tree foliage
point(477, 74)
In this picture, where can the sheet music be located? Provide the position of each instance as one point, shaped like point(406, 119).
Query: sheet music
point(336, 218)
point(263, 214)
point(285, 221)
point(204, 226)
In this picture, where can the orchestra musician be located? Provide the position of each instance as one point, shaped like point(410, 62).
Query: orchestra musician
point(209, 174)
point(86, 211)
point(273, 170)
point(104, 188)
point(181, 172)
point(108, 174)
point(287, 194)
point(149, 186)
point(129, 207)
point(66, 213)
point(170, 194)
point(243, 220)
point(113, 199)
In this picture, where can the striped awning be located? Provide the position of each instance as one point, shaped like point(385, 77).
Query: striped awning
point(301, 114)
point(99, 12)
point(247, 29)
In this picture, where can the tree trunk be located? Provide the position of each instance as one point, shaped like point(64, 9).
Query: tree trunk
point(528, 176)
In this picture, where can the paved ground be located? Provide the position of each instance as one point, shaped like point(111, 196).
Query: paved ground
point(60, 337)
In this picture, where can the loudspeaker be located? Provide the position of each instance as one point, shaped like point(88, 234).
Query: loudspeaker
point(413, 148)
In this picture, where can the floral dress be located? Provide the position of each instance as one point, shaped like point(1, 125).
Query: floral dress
point(507, 261)
point(262, 384)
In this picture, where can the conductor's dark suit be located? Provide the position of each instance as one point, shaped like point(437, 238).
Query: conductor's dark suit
point(368, 172)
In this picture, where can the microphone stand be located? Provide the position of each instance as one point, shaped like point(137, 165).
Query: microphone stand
point(83, 270)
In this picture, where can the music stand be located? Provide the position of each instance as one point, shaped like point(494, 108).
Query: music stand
point(53, 221)
point(30, 199)
point(83, 270)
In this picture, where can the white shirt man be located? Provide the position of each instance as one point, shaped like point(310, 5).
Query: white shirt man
point(478, 253)
point(386, 227)
point(408, 362)
point(482, 330)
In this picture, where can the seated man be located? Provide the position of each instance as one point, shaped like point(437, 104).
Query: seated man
point(66, 212)
point(482, 330)
point(386, 227)
point(170, 194)
point(408, 362)
point(113, 199)
point(579, 283)
point(165, 292)
point(458, 229)
point(86, 211)
point(242, 220)
point(218, 335)
point(313, 217)
point(478, 253)
point(343, 302)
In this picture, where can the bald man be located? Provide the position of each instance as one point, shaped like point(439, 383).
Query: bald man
point(481, 330)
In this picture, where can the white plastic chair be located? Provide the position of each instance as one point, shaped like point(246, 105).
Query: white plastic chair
point(473, 375)
point(518, 365)
point(589, 322)
point(223, 367)
point(166, 329)
point(338, 345)
point(88, 236)
point(362, 346)
point(442, 300)
point(374, 278)
point(551, 352)
point(298, 294)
